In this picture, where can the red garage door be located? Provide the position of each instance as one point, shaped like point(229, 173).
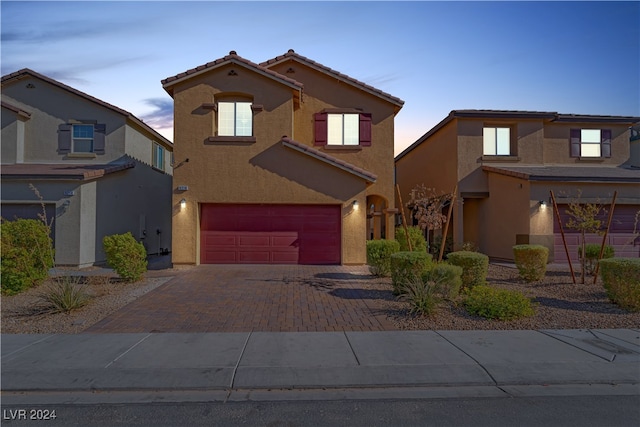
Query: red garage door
point(269, 234)
point(622, 233)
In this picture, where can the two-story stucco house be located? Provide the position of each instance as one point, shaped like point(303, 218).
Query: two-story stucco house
point(99, 169)
point(286, 161)
point(505, 163)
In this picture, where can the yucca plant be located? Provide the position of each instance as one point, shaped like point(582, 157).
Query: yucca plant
point(423, 296)
point(65, 294)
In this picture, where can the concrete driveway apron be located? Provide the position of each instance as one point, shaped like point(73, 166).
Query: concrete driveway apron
point(243, 298)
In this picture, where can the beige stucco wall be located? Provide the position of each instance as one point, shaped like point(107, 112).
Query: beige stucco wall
point(9, 136)
point(556, 146)
point(420, 167)
point(265, 171)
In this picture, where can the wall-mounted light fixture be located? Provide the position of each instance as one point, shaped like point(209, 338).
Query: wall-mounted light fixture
point(354, 205)
point(543, 204)
point(183, 203)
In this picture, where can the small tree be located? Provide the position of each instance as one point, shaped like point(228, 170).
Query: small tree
point(426, 207)
point(584, 218)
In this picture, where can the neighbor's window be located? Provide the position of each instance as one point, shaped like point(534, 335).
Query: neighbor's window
point(592, 143)
point(158, 156)
point(83, 138)
point(342, 129)
point(497, 141)
point(235, 119)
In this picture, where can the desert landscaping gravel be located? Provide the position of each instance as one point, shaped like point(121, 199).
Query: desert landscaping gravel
point(560, 304)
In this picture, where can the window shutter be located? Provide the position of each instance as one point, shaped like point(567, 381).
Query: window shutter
point(64, 138)
point(365, 129)
point(606, 143)
point(575, 142)
point(99, 131)
point(320, 129)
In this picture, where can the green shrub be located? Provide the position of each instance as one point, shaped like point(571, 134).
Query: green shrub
point(448, 277)
point(531, 261)
point(474, 267)
point(501, 304)
point(434, 248)
point(416, 235)
point(406, 266)
point(65, 295)
point(126, 256)
point(423, 296)
point(27, 254)
point(593, 253)
point(621, 279)
point(379, 256)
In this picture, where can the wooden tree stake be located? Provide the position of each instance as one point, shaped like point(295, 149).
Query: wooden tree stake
point(564, 241)
point(446, 226)
point(604, 238)
point(404, 220)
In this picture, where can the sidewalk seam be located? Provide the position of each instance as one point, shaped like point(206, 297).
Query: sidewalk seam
point(4, 358)
point(577, 347)
point(470, 357)
point(128, 350)
point(351, 347)
point(235, 369)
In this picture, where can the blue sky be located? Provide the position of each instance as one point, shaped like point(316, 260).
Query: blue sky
point(569, 57)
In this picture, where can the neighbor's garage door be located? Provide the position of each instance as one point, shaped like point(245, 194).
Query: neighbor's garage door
point(269, 234)
point(621, 233)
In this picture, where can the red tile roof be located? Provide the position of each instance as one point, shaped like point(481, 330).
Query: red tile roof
point(323, 68)
point(82, 172)
point(18, 75)
point(569, 173)
point(340, 164)
point(19, 111)
point(234, 58)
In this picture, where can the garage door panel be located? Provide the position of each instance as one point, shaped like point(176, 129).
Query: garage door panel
point(284, 234)
point(619, 236)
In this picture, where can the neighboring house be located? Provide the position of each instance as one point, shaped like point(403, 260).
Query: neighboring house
point(99, 169)
point(505, 163)
point(287, 161)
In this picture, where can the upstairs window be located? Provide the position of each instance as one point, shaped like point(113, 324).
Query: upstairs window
point(81, 138)
point(496, 141)
point(591, 143)
point(158, 156)
point(342, 129)
point(235, 119)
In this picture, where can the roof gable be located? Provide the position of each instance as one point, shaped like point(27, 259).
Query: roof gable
point(26, 72)
point(231, 58)
point(291, 55)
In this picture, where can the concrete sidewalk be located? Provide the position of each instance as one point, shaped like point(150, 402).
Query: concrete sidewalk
point(228, 362)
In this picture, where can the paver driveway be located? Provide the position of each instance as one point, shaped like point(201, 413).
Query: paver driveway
point(244, 298)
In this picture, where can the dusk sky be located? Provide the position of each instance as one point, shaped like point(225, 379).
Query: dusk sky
point(568, 57)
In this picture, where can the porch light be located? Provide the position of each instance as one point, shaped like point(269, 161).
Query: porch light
point(543, 204)
point(355, 205)
point(183, 203)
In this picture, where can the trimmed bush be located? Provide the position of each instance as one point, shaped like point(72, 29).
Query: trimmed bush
point(126, 256)
point(501, 304)
point(475, 267)
point(27, 254)
point(621, 279)
point(406, 266)
point(447, 276)
point(531, 261)
point(416, 235)
point(593, 253)
point(379, 256)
